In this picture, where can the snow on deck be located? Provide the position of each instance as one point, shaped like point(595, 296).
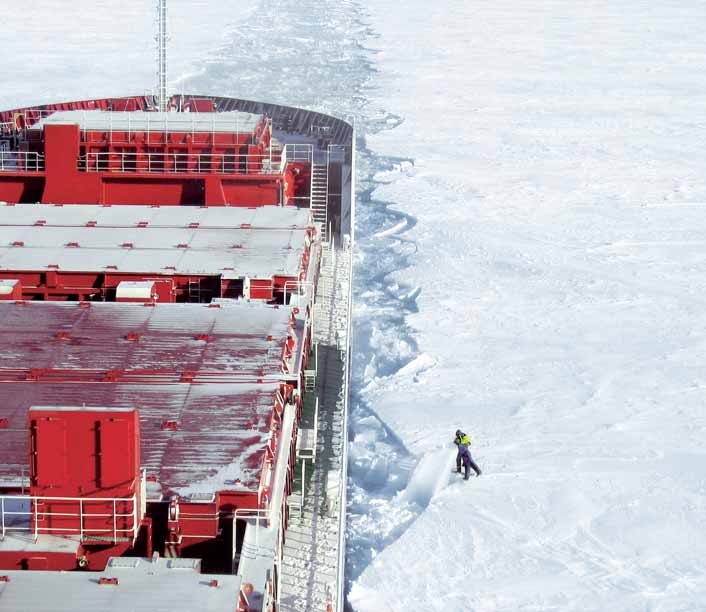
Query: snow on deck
point(235, 340)
point(155, 359)
point(79, 215)
point(232, 253)
point(72, 240)
point(219, 443)
point(157, 585)
point(235, 122)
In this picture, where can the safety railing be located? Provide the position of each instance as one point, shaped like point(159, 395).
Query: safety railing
point(297, 152)
point(21, 161)
point(272, 162)
point(301, 291)
point(104, 518)
point(200, 163)
point(301, 201)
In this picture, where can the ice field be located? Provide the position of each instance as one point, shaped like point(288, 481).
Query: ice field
point(531, 268)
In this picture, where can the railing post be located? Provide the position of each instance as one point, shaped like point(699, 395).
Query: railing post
point(36, 518)
point(115, 522)
point(2, 509)
point(80, 518)
point(316, 424)
point(301, 502)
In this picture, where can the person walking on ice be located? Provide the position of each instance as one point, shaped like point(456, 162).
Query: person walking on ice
point(462, 442)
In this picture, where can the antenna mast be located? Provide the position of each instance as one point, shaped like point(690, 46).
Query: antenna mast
point(163, 99)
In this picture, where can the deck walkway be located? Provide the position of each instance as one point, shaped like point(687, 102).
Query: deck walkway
point(311, 553)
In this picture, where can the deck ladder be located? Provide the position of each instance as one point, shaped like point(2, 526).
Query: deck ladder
point(319, 196)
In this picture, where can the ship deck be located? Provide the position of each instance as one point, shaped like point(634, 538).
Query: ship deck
point(157, 585)
point(188, 390)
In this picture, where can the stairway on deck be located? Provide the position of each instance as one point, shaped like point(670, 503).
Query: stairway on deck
point(311, 551)
point(319, 196)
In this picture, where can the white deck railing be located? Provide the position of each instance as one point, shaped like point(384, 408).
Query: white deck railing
point(272, 162)
point(202, 163)
point(21, 161)
point(23, 513)
point(297, 152)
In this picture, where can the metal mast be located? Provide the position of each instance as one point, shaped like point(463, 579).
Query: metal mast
point(162, 55)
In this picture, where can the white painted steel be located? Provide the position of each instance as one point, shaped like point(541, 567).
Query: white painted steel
point(319, 197)
point(7, 286)
point(134, 290)
point(161, 38)
point(262, 546)
point(155, 584)
point(348, 246)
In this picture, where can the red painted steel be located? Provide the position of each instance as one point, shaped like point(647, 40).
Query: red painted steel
point(41, 560)
point(85, 453)
point(101, 286)
point(167, 168)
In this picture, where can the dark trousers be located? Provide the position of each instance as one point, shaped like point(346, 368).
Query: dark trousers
point(468, 463)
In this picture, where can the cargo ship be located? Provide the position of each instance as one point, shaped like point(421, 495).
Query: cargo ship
point(175, 313)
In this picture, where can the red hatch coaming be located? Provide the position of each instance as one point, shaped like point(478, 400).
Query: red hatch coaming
point(70, 255)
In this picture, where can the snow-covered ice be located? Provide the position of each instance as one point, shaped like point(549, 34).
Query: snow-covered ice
point(555, 181)
point(530, 268)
